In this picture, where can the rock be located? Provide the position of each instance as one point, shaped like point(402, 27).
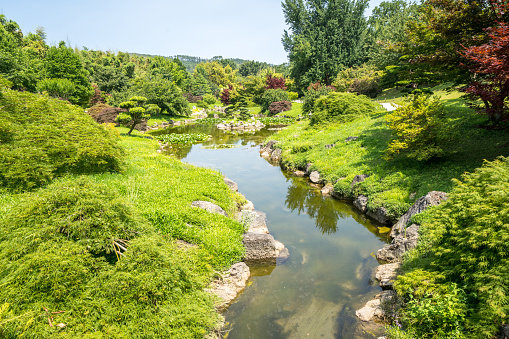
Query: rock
point(261, 247)
point(231, 283)
point(276, 155)
point(329, 146)
point(255, 221)
point(299, 173)
point(221, 126)
point(387, 274)
point(269, 147)
point(216, 116)
point(399, 245)
point(248, 206)
point(504, 331)
point(265, 155)
point(308, 168)
point(327, 190)
point(374, 310)
point(232, 184)
point(209, 207)
point(314, 177)
point(351, 139)
point(380, 215)
point(361, 203)
point(357, 179)
point(433, 198)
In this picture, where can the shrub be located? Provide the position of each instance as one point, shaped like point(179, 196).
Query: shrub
point(275, 83)
point(279, 106)
point(210, 99)
point(272, 95)
point(57, 88)
point(342, 107)
point(420, 128)
point(46, 138)
point(293, 96)
point(96, 109)
point(470, 232)
point(314, 92)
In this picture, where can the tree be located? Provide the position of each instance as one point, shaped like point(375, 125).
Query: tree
point(490, 66)
point(63, 63)
point(136, 113)
point(252, 68)
point(274, 82)
point(57, 88)
point(326, 36)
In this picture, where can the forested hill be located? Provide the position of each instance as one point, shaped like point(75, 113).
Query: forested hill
point(190, 62)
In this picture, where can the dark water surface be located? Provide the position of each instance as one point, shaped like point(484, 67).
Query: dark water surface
point(315, 293)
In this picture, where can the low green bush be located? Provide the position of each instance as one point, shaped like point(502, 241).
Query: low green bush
point(420, 128)
point(272, 95)
point(312, 94)
point(43, 138)
point(342, 107)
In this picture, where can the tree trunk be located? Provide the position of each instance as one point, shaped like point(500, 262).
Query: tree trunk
point(132, 127)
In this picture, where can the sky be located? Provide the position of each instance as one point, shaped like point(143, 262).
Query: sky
point(250, 30)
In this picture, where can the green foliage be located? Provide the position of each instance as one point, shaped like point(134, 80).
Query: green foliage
point(325, 37)
point(419, 127)
point(341, 107)
point(136, 113)
point(361, 80)
point(44, 138)
point(276, 120)
point(56, 88)
point(293, 96)
point(272, 95)
point(210, 99)
point(313, 93)
point(182, 139)
point(63, 63)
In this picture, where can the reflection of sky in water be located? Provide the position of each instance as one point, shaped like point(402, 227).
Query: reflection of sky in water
point(315, 293)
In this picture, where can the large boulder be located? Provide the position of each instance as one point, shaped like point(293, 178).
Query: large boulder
point(361, 203)
point(403, 242)
point(380, 215)
point(357, 179)
point(315, 177)
point(269, 147)
point(387, 274)
point(433, 198)
point(209, 207)
point(276, 155)
point(262, 247)
point(256, 221)
point(231, 283)
point(232, 184)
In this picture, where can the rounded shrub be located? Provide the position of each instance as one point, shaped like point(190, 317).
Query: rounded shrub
point(47, 138)
point(273, 95)
point(342, 107)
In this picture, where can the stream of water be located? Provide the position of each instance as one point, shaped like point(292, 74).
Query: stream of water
point(314, 294)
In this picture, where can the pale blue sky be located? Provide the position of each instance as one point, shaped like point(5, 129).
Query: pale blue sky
point(231, 28)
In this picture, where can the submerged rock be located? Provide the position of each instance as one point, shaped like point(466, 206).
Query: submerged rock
point(209, 207)
point(299, 173)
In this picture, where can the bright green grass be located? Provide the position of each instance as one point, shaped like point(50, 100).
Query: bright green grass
point(393, 183)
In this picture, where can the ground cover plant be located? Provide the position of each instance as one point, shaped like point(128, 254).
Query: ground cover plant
point(117, 258)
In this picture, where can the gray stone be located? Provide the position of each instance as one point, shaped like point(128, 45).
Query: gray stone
point(256, 221)
point(387, 274)
point(209, 207)
point(265, 155)
point(374, 310)
point(357, 179)
point(380, 215)
point(276, 155)
point(232, 184)
point(327, 190)
point(248, 206)
point(361, 203)
point(399, 245)
point(308, 167)
point(231, 283)
point(261, 247)
point(299, 173)
point(269, 147)
point(315, 178)
point(504, 331)
point(433, 198)
point(350, 139)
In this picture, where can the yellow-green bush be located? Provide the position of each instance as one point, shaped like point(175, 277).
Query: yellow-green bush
point(42, 138)
point(342, 107)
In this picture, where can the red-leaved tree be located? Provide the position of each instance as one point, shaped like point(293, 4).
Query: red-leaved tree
point(490, 65)
point(275, 83)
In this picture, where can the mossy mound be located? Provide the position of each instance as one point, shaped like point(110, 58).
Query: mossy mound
point(43, 138)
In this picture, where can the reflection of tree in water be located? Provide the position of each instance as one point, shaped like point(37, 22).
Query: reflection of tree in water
point(324, 211)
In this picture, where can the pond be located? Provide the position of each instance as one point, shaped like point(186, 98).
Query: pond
point(314, 294)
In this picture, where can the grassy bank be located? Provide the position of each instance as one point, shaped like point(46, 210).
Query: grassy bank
point(393, 184)
point(69, 274)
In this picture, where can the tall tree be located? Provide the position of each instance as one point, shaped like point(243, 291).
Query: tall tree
point(325, 37)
